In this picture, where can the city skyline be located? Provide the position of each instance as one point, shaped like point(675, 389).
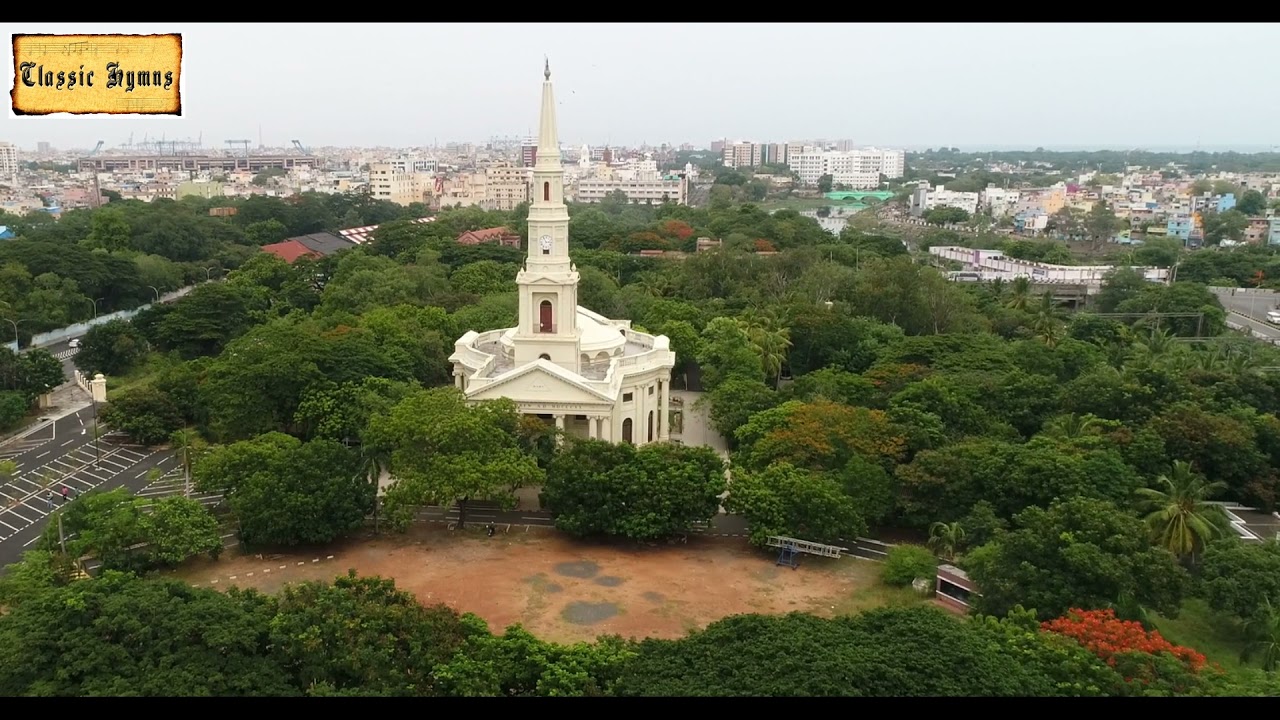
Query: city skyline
point(623, 87)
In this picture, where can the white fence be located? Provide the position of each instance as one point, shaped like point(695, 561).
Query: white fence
point(995, 261)
point(54, 337)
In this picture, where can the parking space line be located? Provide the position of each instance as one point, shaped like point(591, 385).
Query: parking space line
point(9, 526)
point(13, 511)
point(46, 452)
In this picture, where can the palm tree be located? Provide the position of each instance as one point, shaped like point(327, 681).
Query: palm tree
point(946, 538)
point(374, 461)
point(1019, 293)
point(1182, 520)
point(996, 289)
point(1047, 323)
point(1072, 426)
point(770, 338)
point(1263, 633)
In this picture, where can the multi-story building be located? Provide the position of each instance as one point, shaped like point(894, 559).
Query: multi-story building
point(855, 169)
point(999, 200)
point(925, 198)
point(8, 162)
point(391, 183)
point(528, 153)
point(44, 148)
point(1273, 231)
point(1180, 226)
point(742, 155)
point(673, 188)
point(1257, 231)
point(506, 186)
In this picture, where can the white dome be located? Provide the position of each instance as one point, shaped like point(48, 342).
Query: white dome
point(598, 335)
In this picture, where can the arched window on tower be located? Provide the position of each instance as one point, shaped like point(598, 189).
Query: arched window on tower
point(546, 192)
point(626, 431)
point(546, 320)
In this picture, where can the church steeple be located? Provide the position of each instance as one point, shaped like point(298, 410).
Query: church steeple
point(548, 138)
point(548, 283)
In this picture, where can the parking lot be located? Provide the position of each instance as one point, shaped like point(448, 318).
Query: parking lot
point(173, 482)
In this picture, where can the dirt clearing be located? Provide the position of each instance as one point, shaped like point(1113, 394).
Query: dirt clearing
point(564, 590)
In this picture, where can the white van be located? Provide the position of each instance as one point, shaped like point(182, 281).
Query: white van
point(1273, 317)
point(74, 344)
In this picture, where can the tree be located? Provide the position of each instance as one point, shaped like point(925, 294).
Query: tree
point(1252, 203)
point(655, 491)
point(1100, 223)
point(785, 500)
point(946, 539)
point(130, 533)
point(727, 352)
point(1262, 633)
point(286, 492)
point(1182, 520)
point(946, 215)
point(363, 635)
point(118, 635)
point(1229, 225)
point(824, 184)
point(444, 450)
point(39, 372)
point(1239, 578)
point(1134, 651)
point(889, 652)
point(144, 413)
point(1079, 552)
point(112, 348)
point(820, 435)
point(904, 564)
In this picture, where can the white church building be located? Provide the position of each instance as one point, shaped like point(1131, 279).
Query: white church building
point(595, 377)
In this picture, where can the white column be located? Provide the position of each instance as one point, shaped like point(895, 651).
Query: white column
point(458, 380)
point(591, 428)
point(560, 428)
point(664, 411)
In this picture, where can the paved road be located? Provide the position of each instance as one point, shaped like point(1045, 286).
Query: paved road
point(63, 453)
point(1248, 307)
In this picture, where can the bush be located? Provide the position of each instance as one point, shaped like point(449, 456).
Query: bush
point(905, 563)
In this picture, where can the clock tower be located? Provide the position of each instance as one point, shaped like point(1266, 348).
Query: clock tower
point(548, 283)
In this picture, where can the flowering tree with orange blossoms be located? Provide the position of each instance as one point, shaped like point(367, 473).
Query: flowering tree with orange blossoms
point(1122, 643)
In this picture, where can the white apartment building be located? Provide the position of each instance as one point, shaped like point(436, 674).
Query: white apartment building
point(410, 164)
point(387, 182)
point(925, 198)
point(855, 169)
point(999, 200)
point(741, 154)
point(655, 190)
point(8, 162)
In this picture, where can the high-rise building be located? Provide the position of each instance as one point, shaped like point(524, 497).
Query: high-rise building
point(43, 148)
point(529, 153)
point(8, 162)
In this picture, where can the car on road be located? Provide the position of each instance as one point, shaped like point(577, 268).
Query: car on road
point(1273, 317)
point(74, 344)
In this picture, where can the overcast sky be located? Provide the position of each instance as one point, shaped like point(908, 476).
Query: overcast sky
point(971, 86)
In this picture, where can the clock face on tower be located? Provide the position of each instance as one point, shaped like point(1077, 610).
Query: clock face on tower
point(545, 242)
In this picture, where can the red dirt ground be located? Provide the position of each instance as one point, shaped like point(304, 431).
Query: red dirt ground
point(520, 578)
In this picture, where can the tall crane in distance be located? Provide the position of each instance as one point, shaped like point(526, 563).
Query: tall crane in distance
point(242, 143)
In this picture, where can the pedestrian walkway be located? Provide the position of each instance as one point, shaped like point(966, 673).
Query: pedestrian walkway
point(174, 484)
point(66, 354)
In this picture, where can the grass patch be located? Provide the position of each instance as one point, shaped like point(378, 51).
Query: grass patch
point(871, 591)
point(1218, 637)
point(146, 371)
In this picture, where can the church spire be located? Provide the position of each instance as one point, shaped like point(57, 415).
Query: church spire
point(548, 138)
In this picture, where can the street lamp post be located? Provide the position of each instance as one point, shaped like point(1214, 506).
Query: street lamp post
point(97, 446)
point(95, 306)
point(207, 270)
point(156, 291)
point(16, 340)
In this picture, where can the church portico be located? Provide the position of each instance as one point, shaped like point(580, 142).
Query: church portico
point(592, 377)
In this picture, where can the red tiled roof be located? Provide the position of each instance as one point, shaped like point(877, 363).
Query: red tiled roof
point(489, 233)
point(289, 250)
